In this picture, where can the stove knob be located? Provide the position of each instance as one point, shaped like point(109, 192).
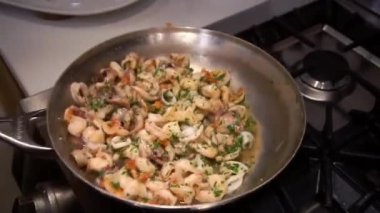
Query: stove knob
point(23, 205)
point(48, 198)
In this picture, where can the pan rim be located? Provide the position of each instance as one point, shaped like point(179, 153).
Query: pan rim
point(204, 206)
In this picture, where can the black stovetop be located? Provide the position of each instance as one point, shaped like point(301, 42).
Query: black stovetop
point(337, 167)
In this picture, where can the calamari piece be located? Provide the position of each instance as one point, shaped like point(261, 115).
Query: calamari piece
point(168, 97)
point(190, 133)
point(130, 61)
point(239, 110)
point(222, 77)
point(117, 68)
point(236, 98)
point(118, 142)
point(248, 139)
point(230, 168)
point(234, 182)
point(149, 65)
point(79, 92)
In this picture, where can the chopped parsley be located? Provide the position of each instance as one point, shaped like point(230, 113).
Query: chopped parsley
point(174, 138)
point(217, 192)
point(156, 145)
point(96, 103)
point(250, 124)
point(220, 77)
point(184, 93)
point(145, 199)
point(174, 185)
point(234, 167)
point(168, 96)
point(236, 146)
point(115, 185)
point(101, 173)
point(231, 128)
point(157, 72)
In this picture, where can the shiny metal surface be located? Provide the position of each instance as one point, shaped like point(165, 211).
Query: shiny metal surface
point(325, 91)
point(325, 85)
point(317, 91)
point(271, 93)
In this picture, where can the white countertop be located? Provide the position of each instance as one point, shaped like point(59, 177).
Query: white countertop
point(38, 51)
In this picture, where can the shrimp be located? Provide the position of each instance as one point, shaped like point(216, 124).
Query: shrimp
point(205, 150)
point(93, 135)
point(144, 165)
point(76, 126)
point(156, 131)
point(161, 131)
point(100, 162)
point(165, 197)
point(155, 185)
point(183, 192)
point(210, 91)
point(81, 157)
point(216, 192)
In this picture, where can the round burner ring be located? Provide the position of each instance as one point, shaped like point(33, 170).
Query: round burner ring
point(326, 76)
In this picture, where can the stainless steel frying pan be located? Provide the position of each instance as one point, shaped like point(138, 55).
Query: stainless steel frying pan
point(271, 93)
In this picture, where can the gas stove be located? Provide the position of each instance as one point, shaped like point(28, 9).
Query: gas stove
point(331, 52)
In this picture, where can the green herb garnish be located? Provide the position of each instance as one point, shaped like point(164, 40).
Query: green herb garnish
point(174, 138)
point(115, 185)
point(220, 77)
point(234, 167)
point(184, 93)
point(231, 128)
point(217, 192)
point(168, 96)
point(174, 185)
point(250, 124)
point(236, 146)
point(97, 103)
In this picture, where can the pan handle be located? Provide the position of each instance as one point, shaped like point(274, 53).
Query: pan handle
point(20, 137)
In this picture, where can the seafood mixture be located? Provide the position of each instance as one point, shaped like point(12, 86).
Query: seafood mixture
point(157, 131)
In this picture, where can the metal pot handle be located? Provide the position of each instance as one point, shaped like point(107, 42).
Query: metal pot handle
point(20, 137)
